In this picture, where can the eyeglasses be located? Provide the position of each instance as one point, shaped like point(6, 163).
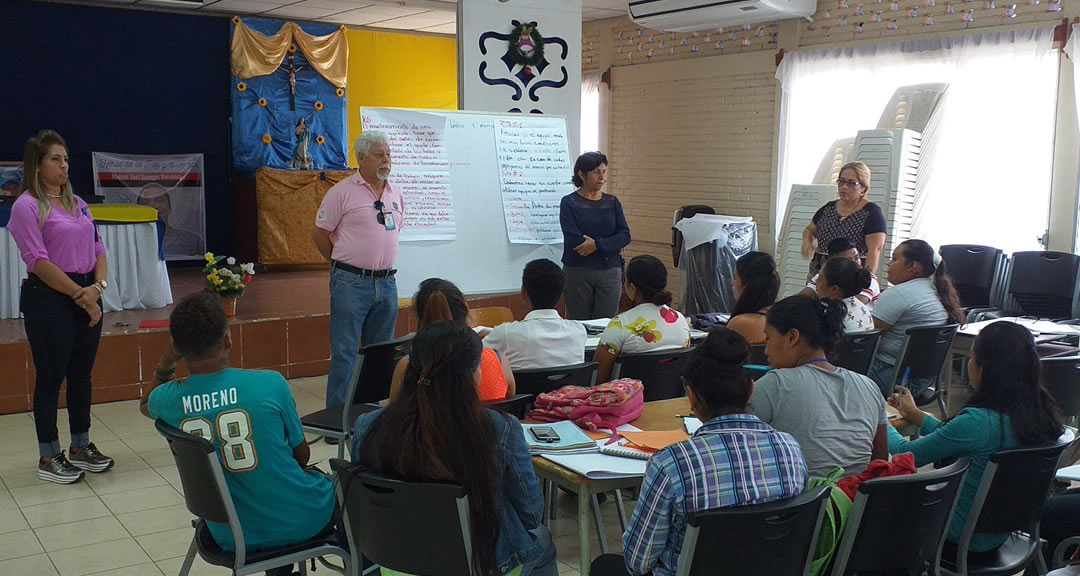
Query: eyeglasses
point(379, 215)
point(840, 183)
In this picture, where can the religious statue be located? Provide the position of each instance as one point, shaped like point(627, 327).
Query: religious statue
point(301, 160)
point(292, 69)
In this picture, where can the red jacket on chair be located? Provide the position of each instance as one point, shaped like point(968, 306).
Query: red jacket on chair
point(900, 465)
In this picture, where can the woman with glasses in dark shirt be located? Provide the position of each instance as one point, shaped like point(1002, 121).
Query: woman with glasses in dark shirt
point(594, 233)
point(852, 216)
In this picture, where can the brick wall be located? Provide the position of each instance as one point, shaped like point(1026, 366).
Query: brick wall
point(689, 134)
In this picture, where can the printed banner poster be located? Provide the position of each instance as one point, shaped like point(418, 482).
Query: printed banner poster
point(171, 184)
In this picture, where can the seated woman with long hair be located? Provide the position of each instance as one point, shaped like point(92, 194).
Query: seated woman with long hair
point(838, 416)
point(922, 294)
point(734, 459)
point(756, 285)
point(440, 300)
point(437, 429)
point(1009, 409)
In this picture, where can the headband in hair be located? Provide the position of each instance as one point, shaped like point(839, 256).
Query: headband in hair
point(936, 257)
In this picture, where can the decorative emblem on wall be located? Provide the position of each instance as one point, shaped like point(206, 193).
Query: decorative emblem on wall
point(526, 62)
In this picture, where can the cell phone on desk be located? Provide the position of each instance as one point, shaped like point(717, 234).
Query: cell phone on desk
point(544, 434)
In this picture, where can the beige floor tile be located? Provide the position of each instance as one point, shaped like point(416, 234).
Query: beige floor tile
point(6, 501)
point(112, 482)
point(25, 458)
point(101, 557)
point(157, 520)
point(37, 565)
point(150, 443)
point(198, 568)
point(65, 511)
point(21, 477)
point(3, 487)
point(144, 499)
point(12, 420)
point(81, 533)
point(158, 458)
point(12, 521)
point(19, 544)
point(47, 492)
point(132, 426)
point(165, 545)
point(170, 473)
point(148, 569)
point(18, 439)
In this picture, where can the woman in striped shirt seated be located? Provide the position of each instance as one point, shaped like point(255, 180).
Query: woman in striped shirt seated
point(734, 459)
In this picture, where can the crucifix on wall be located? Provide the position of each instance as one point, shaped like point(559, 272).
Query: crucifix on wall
point(292, 69)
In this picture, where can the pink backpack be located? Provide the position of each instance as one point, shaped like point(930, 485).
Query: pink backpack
point(606, 406)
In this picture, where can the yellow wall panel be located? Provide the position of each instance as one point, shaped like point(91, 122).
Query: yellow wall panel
point(400, 71)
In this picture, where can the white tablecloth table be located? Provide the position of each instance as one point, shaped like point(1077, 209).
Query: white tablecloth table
point(137, 277)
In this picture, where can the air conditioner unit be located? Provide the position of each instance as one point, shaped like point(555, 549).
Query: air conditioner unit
point(695, 15)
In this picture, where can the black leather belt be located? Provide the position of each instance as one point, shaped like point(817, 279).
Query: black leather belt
point(364, 272)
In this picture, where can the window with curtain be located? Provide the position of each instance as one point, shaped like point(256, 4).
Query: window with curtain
point(590, 112)
point(990, 176)
point(1072, 49)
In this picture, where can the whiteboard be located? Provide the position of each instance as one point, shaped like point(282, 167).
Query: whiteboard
point(480, 259)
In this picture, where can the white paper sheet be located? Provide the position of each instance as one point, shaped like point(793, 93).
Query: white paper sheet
point(534, 173)
point(421, 171)
point(599, 466)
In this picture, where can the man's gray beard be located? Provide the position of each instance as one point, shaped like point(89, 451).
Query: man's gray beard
point(382, 175)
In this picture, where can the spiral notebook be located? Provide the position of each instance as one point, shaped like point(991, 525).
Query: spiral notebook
point(624, 450)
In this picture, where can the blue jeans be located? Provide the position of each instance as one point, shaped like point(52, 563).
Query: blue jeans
point(881, 372)
point(546, 564)
point(363, 311)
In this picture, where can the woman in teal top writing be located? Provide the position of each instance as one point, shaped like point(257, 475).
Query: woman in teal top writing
point(1009, 409)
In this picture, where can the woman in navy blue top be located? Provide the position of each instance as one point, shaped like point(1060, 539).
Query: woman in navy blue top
point(594, 234)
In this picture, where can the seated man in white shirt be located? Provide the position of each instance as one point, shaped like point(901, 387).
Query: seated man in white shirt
point(543, 339)
point(846, 249)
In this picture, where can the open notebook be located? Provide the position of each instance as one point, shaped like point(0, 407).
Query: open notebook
point(598, 466)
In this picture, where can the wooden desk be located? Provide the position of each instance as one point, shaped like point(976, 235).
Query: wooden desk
point(659, 415)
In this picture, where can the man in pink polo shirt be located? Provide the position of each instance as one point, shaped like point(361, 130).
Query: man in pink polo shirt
point(357, 229)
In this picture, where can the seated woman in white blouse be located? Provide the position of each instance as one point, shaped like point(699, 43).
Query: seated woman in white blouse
point(650, 326)
point(843, 279)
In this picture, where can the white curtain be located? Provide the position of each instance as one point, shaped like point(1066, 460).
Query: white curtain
point(994, 159)
point(590, 112)
point(1071, 50)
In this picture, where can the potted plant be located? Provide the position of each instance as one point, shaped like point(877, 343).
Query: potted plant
point(228, 278)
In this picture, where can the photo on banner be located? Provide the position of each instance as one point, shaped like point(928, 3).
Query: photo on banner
point(171, 184)
point(10, 178)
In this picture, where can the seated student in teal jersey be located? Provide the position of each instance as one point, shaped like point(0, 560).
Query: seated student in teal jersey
point(1009, 409)
point(251, 417)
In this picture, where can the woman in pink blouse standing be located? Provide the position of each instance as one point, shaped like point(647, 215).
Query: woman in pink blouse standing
point(60, 303)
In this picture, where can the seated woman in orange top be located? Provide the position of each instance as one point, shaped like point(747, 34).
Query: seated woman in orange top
point(439, 300)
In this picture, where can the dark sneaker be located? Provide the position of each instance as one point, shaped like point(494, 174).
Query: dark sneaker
point(59, 470)
point(91, 459)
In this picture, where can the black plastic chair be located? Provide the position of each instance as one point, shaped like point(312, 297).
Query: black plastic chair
point(537, 381)
point(383, 519)
point(207, 497)
point(1062, 379)
point(1044, 284)
point(925, 352)
point(856, 351)
point(757, 355)
point(660, 372)
point(977, 273)
point(516, 405)
point(368, 385)
point(777, 538)
point(898, 524)
point(1009, 500)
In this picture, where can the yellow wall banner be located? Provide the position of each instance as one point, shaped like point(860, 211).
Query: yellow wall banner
point(401, 71)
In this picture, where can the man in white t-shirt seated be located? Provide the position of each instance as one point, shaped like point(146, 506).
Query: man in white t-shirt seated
point(543, 339)
point(845, 248)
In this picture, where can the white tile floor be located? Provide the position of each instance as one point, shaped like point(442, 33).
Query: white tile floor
point(131, 520)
